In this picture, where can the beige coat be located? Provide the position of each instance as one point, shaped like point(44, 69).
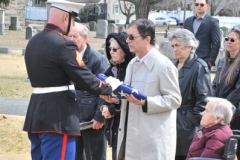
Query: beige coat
point(151, 135)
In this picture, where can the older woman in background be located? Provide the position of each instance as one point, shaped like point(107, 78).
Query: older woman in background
point(195, 86)
point(118, 55)
point(226, 83)
point(210, 140)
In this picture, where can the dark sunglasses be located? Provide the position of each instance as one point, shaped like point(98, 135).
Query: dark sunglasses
point(229, 39)
point(201, 4)
point(113, 49)
point(131, 37)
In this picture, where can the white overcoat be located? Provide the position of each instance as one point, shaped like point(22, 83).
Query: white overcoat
point(151, 135)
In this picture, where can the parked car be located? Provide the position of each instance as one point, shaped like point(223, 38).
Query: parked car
point(179, 22)
point(161, 21)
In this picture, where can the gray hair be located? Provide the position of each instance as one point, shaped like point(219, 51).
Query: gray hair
point(186, 37)
point(112, 39)
point(222, 108)
point(83, 29)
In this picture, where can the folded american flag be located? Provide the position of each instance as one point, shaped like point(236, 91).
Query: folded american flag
point(124, 89)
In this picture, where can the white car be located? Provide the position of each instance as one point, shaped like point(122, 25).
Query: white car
point(161, 21)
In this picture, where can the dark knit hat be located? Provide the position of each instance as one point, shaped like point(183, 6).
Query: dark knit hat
point(121, 40)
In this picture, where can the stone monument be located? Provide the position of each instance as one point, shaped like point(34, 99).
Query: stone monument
point(101, 29)
point(2, 25)
point(14, 24)
point(111, 28)
point(29, 32)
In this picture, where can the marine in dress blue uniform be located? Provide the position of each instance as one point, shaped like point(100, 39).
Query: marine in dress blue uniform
point(53, 63)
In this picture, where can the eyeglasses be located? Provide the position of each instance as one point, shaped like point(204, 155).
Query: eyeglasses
point(113, 49)
point(131, 37)
point(199, 4)
point(229, 39)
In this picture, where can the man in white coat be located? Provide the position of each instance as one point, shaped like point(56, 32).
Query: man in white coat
point(147, 128)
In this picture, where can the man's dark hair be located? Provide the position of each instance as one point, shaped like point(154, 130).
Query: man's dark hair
point(145, 28)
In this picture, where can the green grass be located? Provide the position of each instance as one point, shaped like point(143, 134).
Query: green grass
point(14, 87)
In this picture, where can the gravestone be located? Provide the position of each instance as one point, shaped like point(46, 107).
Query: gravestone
point(101, 29)
point(225, 31)
point(92, 26)
point(29, 32)
point(14, 24)
point(121, 28)
point(166, 49)
point(5, 50)
point(111, 28)
point(2, 25)
point(23, 51)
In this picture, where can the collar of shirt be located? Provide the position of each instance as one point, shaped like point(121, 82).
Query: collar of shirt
point(202, 17)
point(82, 52)
point(144, 57)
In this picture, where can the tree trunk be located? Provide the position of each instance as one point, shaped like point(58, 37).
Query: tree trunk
point(127, 19)
point(142, 7)
point(142, 11)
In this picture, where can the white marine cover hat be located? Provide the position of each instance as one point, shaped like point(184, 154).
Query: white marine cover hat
point(70, 7)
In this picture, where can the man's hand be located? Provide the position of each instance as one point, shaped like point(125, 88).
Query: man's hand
point(109, 99)
point(106, 113)
point(97, 125)
point(134, 100)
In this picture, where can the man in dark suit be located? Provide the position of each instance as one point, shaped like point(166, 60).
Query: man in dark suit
point(206, 30)
point(53, 63)
point(92, 140)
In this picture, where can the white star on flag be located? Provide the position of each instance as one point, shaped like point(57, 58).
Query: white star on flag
point(122, 94)
point(134, 90)
point(114, 95)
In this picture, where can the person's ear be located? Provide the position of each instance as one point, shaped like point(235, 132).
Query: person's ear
point(218, 120)
point(148, 38)
point(85, 38)
point(65, 18)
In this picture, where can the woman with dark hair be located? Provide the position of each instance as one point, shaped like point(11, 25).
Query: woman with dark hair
point(118, 55)
point(226, 83)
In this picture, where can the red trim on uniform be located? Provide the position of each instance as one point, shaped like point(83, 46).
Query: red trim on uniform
point(39, 132)
point(64, 146)
point(79, 59)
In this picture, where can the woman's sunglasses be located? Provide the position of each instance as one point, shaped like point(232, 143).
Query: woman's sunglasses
point(131, 37)
point(199, 4)
point(229, 39)
point(113, 49)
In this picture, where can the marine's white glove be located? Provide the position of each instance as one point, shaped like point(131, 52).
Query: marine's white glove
point(114, 82)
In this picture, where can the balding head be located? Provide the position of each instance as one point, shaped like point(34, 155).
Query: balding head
point(59, 18)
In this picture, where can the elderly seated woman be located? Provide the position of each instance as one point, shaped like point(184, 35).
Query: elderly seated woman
point(210, 140)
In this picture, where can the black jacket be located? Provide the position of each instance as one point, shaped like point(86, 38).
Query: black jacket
point(89, 107)
point(195, 86)
point(111, 125)
point(208, 35)
point(51, 61)
point(232, 91)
